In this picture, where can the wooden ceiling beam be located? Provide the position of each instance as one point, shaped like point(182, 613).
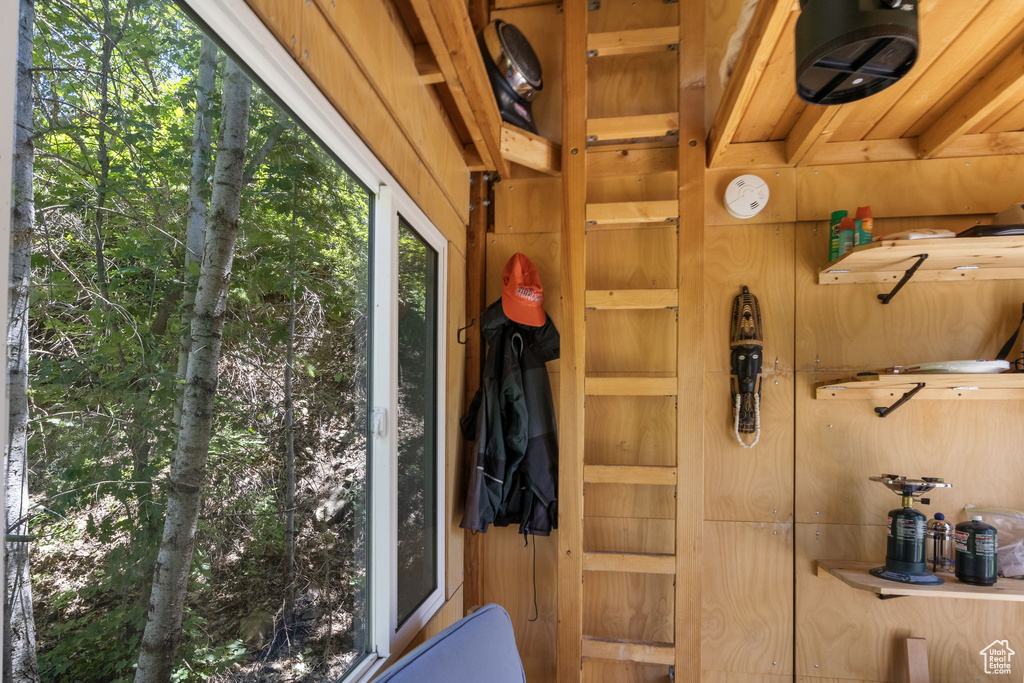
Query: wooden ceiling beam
point(449, 32)
point(1005, 83)
point(812, 130)
point(426, 65)
point(765, 30)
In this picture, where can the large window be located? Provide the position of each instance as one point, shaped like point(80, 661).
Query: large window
point(290, 411)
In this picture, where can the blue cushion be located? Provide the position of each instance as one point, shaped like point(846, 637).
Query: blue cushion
point(480, 647)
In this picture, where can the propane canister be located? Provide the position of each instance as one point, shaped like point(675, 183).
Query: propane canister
point(905, 546)
point(976, 550)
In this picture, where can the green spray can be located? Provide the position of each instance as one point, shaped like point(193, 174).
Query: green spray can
point(833, 234)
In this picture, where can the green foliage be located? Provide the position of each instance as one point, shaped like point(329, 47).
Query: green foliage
point(107, 305)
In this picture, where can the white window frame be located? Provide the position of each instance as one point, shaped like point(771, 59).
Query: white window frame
point(239, 29)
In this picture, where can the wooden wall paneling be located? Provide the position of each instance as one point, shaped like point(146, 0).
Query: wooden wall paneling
point(781, 206)
point(631, 342)
point(629, 535)
point(940, 23)
point(936, 187)
point(741, 484)
point(691, 354)
point(749, 484)
point(543, 25)
point(528, 205)
point(454, 461)
point(925, 322)
point(640, 187)
point(543, 249)
point(629, 500)
point(372, 35)
point(974, 445)
point(850, 634)
point(741, 677)
point(630, 430)
point(766, 27)
point(631, 162)
point(773, 96)
point(977, 49)
point(632, 85)
point(573, 331)
point(637, 607)
point(747, 614)
point(509, 583)
point(644, 258)
point(629, 15)
point(605, 671)
point(330, 66)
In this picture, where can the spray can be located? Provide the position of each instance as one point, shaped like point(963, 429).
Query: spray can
point(833, 234)
point(847, 235)
point(940, 544)
point(976, 550)
point(865, 226)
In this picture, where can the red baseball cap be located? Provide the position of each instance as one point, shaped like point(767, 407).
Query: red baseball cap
point(522, 297)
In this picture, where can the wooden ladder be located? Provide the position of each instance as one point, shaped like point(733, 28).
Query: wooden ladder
point(582, 136)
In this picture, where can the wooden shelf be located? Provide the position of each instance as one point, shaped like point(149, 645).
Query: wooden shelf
point(1003, 386)
point(856, 574)
point(949, 259)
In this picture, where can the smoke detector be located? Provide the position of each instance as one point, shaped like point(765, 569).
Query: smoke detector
point(746, 196)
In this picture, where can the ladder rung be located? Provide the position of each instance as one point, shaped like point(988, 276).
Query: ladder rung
point(629, 474)
point(634, 563)
point(632, 212)
point(628, 650)
point(622, 299)
point(631, 386)
point(633, 42)
point(629, 127)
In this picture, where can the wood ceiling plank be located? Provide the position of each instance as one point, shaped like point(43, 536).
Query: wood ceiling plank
point(940, 23)
point(766, 28)
point(449, 32)
point(1013, 120)
point(1005, 83)
point(973, 54)
point(769, 103)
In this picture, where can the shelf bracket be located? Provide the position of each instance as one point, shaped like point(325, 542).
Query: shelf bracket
point(886, 298)
point(883, 411)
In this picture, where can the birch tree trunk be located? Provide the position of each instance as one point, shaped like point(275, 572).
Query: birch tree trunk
point(289, 495)
point(188, 470)
point(195, 226)
point(19, 658)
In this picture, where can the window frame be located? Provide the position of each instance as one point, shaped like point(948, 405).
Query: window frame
point(239, 30)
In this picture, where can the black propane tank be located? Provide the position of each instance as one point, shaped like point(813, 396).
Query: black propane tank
point(976, 548)
point(905, 548)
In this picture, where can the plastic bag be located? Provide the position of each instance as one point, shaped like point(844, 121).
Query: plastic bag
point(1010, 524)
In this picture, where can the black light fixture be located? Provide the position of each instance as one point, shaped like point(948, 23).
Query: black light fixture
point(514, 71)
point(847, 50)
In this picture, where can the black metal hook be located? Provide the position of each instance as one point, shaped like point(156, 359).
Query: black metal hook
point(458, 334)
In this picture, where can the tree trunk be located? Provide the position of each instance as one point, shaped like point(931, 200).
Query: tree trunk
point(195, 227)
point(19, 658)
point(289, 496)
point(188, 470)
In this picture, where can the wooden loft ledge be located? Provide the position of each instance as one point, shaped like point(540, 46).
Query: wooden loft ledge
point(455, 60)
point(963, 98)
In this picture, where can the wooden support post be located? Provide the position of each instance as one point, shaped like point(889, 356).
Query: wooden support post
point(476, 262)
point(570, 419)
point(690, 340)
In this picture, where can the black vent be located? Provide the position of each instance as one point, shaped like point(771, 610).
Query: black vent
point(520, 53)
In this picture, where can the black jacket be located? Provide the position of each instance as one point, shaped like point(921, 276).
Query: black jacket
point(512, 420)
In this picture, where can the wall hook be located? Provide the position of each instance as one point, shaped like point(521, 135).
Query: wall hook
point(458, 334)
